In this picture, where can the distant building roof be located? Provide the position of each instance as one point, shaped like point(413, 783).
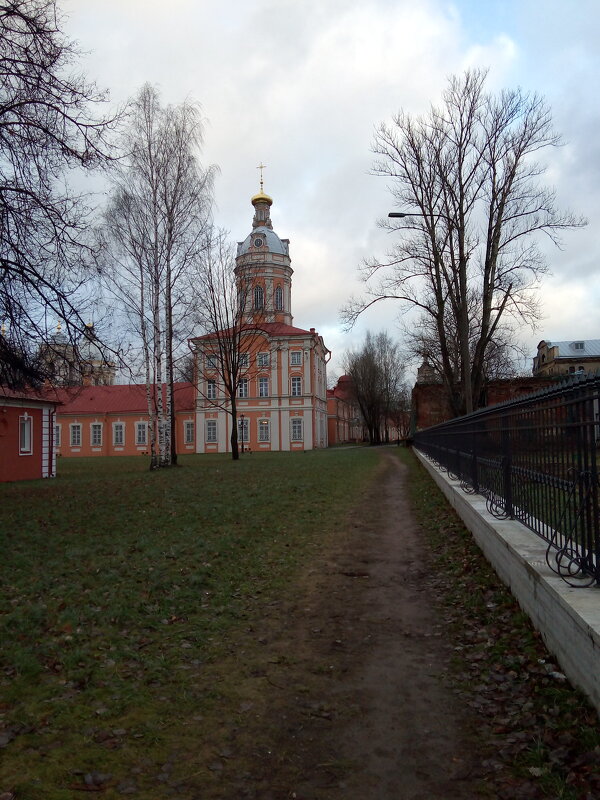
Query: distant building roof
point(343, 390)
point(130, 398)
point(590, 349)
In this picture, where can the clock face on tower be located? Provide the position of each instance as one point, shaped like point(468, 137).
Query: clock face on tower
point(258, 242)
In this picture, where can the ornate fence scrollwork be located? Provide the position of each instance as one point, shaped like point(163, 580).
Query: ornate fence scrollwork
point(534, 460)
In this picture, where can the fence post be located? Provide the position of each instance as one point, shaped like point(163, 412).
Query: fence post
point(506, 467)
point(474, 465)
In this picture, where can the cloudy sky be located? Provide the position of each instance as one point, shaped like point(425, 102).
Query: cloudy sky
point(300, 85)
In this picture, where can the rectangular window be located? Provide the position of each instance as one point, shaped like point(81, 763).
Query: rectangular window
point(57, 435)
point(244, 360)
point(263, 387)
point(296, 429)
point(264, 430)
point(96, 434)
point(211, 390)
point(211, 361)
point(118, 434)
point(25, 435)
point(141, 433)
point(75, 435)
point(262, 360)
point(243, 387)
point(243, 430)
point(296, 358)
point(188, 432)
point(211, 430)
point(296, 387)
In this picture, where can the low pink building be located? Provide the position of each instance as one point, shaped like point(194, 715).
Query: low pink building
point(343, 416)
point(26, 436)
point(114, 420)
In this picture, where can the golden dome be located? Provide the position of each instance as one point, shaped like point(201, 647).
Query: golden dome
point(261, 197)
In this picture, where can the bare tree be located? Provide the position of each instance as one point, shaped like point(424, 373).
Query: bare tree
point(377, 370)
point(47, 132)
point(154, 231)
point(466, 177)
point(224, 355)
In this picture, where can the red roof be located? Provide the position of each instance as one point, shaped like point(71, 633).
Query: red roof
point(31, 395)
point(344, 389)
point(130, 398)
point(270, 328)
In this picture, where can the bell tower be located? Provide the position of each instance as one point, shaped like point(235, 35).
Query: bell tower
point(263, 267)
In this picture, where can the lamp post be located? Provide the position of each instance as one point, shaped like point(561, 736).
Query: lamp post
point(402, 214)
point(242, 420)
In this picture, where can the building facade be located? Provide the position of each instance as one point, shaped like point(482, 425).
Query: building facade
point(26, 436)
point(80, 363)
point(567, 358)
point(282, 392)
point(343, 415)
point(114, 420)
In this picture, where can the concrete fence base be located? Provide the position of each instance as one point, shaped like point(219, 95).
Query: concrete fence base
point(567, 618)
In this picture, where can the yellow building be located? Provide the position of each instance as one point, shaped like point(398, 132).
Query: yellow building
point(567, 358)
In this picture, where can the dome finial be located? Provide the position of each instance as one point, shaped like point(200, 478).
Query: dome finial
point(261, 166)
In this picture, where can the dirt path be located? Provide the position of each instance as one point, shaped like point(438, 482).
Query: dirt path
point(356, 703)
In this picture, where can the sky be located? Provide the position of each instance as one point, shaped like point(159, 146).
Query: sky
point(300, 85)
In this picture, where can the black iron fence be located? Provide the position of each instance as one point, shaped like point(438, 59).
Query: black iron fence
point(536, 461)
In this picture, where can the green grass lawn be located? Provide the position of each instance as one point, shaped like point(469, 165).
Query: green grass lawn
point(120, 588)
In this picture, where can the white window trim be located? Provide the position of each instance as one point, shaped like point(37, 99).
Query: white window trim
point(72, 427)
point(138, 427)
point(296, 421)
point(262, 359)
point(116, 425)
point(243, 430)
point(92, 443)
point(264, 425)
point(26, 426)
point(244, 360)
point(211, 389)
point(243, 382)
point(296, 358)
point(295, 379)
point(278, 298)
point(263, 381)
point(57, 434)
point(211, 423)
point(188, 431)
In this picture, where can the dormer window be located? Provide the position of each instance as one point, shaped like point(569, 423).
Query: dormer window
point(578, 345)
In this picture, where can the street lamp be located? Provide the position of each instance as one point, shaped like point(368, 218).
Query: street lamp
point(242, 419)
point(402, 214)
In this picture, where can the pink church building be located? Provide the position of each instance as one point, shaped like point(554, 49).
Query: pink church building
point(282, 395)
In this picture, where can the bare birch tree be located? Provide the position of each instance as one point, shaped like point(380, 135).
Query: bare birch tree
point(154, 230)
point(467, 179)
point(48, 131)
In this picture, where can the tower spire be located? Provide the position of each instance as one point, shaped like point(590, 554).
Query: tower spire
point(261, 166)
point(262, 203)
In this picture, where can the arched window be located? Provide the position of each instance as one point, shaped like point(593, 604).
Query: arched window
point(259, 297)
point(279, 299)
